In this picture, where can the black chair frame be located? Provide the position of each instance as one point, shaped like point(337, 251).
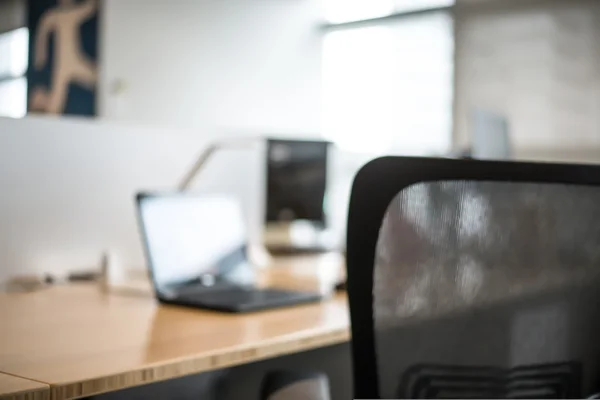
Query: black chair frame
point(374, 187)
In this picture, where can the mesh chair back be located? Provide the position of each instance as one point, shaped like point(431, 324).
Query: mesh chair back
point(483, 284)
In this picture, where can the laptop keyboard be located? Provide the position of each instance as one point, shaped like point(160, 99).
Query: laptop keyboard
point(242, 296)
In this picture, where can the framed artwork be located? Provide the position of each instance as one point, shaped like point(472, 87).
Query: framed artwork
point(63, 48)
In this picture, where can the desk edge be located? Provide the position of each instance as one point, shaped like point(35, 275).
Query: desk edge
point(39, 393)
point(195, 364)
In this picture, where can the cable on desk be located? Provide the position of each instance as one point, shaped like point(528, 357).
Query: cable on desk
point(33, 282)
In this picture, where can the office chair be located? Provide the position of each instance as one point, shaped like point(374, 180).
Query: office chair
point(295, 385)
point(474, 279)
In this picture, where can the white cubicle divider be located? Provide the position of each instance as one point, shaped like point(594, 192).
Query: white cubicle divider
point(67, 188)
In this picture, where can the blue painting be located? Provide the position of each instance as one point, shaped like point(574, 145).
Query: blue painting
point(63, 47)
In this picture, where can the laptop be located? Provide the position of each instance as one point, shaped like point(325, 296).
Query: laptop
point(196, 250)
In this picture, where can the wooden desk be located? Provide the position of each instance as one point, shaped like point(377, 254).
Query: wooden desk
point(83, 342)
point(13, 388)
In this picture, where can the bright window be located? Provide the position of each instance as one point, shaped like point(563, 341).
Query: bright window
point(387, 87)
point(13, 67)
point(13, 98)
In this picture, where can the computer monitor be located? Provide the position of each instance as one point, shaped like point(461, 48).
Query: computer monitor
point(296, 180)
point(490, 135)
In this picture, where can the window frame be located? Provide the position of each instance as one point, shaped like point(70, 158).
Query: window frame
point(329, 26)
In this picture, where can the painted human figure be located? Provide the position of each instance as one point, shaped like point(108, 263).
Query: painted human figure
point(70, 63)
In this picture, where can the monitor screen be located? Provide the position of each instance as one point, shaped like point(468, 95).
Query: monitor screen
point(193, 237)
point(296, 180)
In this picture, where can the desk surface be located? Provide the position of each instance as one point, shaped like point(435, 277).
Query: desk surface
point(13, 388)
point(83, 342)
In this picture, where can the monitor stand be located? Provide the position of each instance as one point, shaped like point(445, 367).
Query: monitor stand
point(295, 238)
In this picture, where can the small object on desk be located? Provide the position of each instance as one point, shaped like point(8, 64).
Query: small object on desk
point(26, 283)
point(113, 279)
point(83, 276)
point(111, 271)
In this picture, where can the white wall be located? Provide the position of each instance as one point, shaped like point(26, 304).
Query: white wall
point(67, 188)
point(538, 63)
point(213, 65)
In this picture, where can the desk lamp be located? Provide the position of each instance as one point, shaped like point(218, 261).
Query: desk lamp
point(256, 250)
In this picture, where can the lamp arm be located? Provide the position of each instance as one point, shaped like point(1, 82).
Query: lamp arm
point(202, 160)
point(191, 174)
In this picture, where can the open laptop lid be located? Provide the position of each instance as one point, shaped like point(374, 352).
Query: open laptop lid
point(193, 240)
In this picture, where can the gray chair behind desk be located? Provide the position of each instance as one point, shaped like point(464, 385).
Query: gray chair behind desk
point(295, 385)
point(474, 279)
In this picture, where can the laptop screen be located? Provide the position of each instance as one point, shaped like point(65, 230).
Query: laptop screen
point(194, 239)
